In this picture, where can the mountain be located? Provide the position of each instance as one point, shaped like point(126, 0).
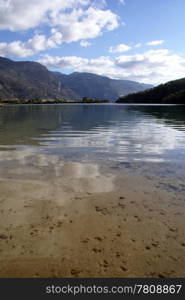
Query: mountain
point(172, 92)
point(30, 80)
point(100, 87)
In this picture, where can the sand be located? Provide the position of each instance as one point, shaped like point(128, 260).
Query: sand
point(90, 221)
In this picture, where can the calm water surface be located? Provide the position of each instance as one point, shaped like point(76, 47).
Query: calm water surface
point(125, 134)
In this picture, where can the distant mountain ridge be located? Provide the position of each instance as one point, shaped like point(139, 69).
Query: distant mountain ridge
point(26, 80)
point(172, 92)
point(96, 86)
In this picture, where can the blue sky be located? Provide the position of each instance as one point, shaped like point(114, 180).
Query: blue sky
point(141, 40)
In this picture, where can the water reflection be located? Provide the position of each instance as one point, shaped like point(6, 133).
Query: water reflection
point(171, 115)
point(56, 186)
point(91, 132)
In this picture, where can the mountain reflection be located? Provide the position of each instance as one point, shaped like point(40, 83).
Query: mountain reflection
point(91, 132)
point(171, 115)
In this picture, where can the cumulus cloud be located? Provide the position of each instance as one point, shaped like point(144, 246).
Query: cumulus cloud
point(80, 24)
point(74, 19)
point(154, 66)
point(85, 44)
point(21, 15)
point(34, 45)
point(155, 43)
point(119, 48)
point(69, 20)
point(77, 63)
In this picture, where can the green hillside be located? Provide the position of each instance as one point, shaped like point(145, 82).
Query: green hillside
point(172, 92)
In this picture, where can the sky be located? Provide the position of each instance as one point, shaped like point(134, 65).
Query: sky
point(140, 40)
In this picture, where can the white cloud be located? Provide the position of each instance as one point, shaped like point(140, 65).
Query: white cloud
point(119, 48)
point(85, 44)
point(38, 43)
point(155, 43)
point(21, 15)
point(64, 62)
point(74, 19)
point(80, 25)
point(154, 66)
point(70, 21)
point(77, 63)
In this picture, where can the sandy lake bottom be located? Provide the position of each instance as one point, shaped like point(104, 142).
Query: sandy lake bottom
point(91, 220)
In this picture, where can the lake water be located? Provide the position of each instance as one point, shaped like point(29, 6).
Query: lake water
point(107, 181)
point(121, 133)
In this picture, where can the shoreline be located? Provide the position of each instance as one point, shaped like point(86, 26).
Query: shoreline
point(28, 102)
point(3, 104)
